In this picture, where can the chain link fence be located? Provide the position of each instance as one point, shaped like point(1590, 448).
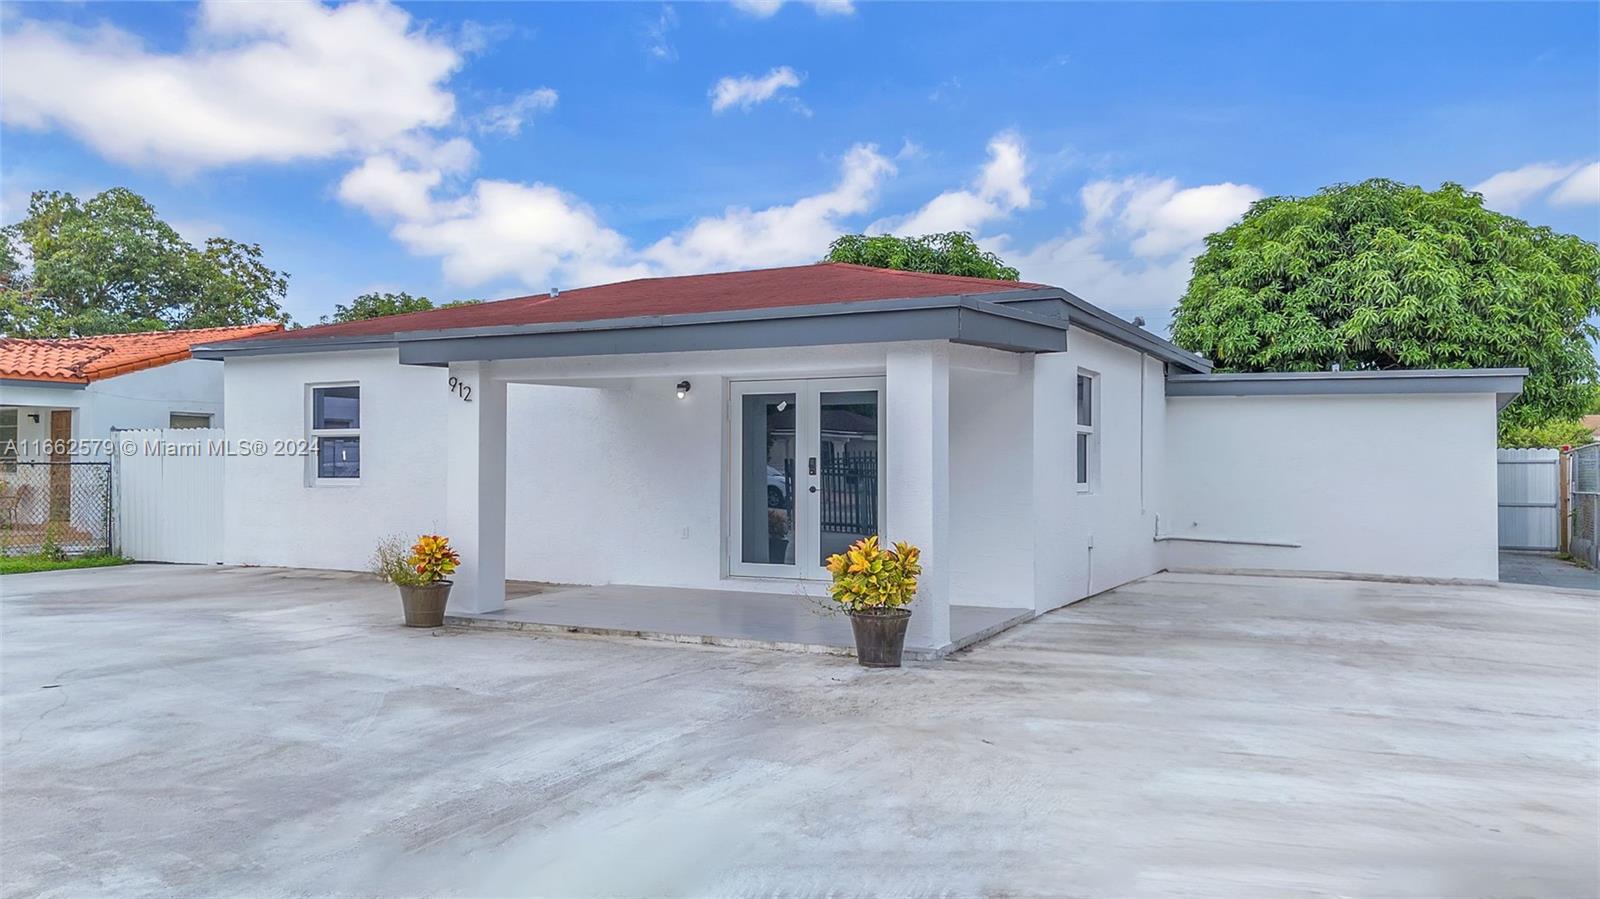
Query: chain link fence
point(1584, 540)
point(55, 506)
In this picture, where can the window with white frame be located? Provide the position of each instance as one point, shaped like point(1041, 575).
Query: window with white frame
point(1087, 437)
point(188, 420)
point(336, 432)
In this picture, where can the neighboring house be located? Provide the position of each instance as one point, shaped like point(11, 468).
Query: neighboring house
point(727, 431)
point(81, 389)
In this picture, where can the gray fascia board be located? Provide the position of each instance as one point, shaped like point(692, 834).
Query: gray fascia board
point(1504, 383)
point(54, 385)
point(1098, 321)
point(1081, 313)
point(984, 301)
point(216, 351)
point(961, 320)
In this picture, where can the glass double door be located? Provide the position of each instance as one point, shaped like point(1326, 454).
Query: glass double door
point(807, 465)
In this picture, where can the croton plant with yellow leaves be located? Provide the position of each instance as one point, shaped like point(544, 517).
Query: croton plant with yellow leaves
point(432, 558)
point(867, 577)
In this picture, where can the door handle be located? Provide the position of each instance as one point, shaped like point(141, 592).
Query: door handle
point(813, 490)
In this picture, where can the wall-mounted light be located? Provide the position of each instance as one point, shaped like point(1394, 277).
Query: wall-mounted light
point(683, 389)
point(33, 417)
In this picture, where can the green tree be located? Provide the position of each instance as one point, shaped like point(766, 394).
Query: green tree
point(110, 264)
point(1381, 275)
point(951, 253)
point(378, 305)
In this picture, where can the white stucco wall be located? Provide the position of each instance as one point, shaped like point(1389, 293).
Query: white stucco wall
point(1089, 542)
point(274, 518)
point(614, 482)
point(1388, 485)
point(991, 483)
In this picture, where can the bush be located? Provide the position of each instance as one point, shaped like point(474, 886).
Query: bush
point(391, 562)
point(433, 559)
point(868, 578)
point(1549, 435)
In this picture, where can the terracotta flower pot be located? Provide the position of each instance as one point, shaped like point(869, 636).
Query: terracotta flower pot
point(424, 606)
point(880, 636)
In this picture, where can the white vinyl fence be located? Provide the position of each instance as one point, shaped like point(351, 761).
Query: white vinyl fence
point(169, 495)
point(1530, 499)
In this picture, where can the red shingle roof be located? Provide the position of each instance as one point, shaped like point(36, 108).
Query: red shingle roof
point(79, 360)
point(799, 285)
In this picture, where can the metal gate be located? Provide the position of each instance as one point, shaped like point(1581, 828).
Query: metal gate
point(1584, 540)
point(169, 495)
point(1530, 499)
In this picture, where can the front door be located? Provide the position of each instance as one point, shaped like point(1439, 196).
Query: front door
point(806, 464)
point(61, 472)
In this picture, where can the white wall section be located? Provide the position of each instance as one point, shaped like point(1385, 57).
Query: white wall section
point(1387, 485)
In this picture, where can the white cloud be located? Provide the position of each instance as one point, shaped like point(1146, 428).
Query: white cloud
point(1582, 188)
point(507, 118)
point(656, 42)
point(529, 232)
point(1510, 189)
point(399, 183)
point(259, 82)
point(1000, 189)
point(764, 9)
point(540, 235)
point(1131, 252)
point(779, 235)
point(746, 91)
point(1168, 219)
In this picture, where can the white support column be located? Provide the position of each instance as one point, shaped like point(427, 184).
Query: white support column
point(475, 482)
point(917, 431)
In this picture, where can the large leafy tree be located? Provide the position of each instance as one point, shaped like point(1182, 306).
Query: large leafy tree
point(951, 253)
point(378, 305)
point(1381, 275)
point(110, 264)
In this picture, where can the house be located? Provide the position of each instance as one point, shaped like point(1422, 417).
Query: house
point(83, 388)
point(723, 433)
point(62, 401)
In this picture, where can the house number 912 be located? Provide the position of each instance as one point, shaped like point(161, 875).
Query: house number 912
point(461, 388)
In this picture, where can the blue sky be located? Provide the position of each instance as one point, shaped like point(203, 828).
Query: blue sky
point(486, 150)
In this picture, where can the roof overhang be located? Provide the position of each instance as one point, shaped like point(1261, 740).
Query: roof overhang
point(960, 319)
point(31, 382)
point(1027, 320)
point(1504, 383)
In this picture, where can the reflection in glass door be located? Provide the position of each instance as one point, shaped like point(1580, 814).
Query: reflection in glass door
point(847, 473)
point(807, 459)
point(767, 451)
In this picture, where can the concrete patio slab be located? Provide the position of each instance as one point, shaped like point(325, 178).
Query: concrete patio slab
point(794, 623)
point(188, 731)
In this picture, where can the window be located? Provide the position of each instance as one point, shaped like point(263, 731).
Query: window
point(187, 420)
point(8, 439)
point(1087, 439)
point(336, 430)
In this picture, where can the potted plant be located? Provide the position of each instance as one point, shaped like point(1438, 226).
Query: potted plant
point(420, 572)
point(874, 586)
point(777, 535)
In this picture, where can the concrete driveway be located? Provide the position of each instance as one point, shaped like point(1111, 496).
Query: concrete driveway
point(271, 732)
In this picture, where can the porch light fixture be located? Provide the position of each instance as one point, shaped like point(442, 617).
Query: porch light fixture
point(683, 389)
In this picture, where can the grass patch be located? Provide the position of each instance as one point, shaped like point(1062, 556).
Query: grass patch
point(26, 564)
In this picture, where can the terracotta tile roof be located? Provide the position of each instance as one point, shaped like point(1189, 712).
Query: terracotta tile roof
point(79, 360)
point(798, 285)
